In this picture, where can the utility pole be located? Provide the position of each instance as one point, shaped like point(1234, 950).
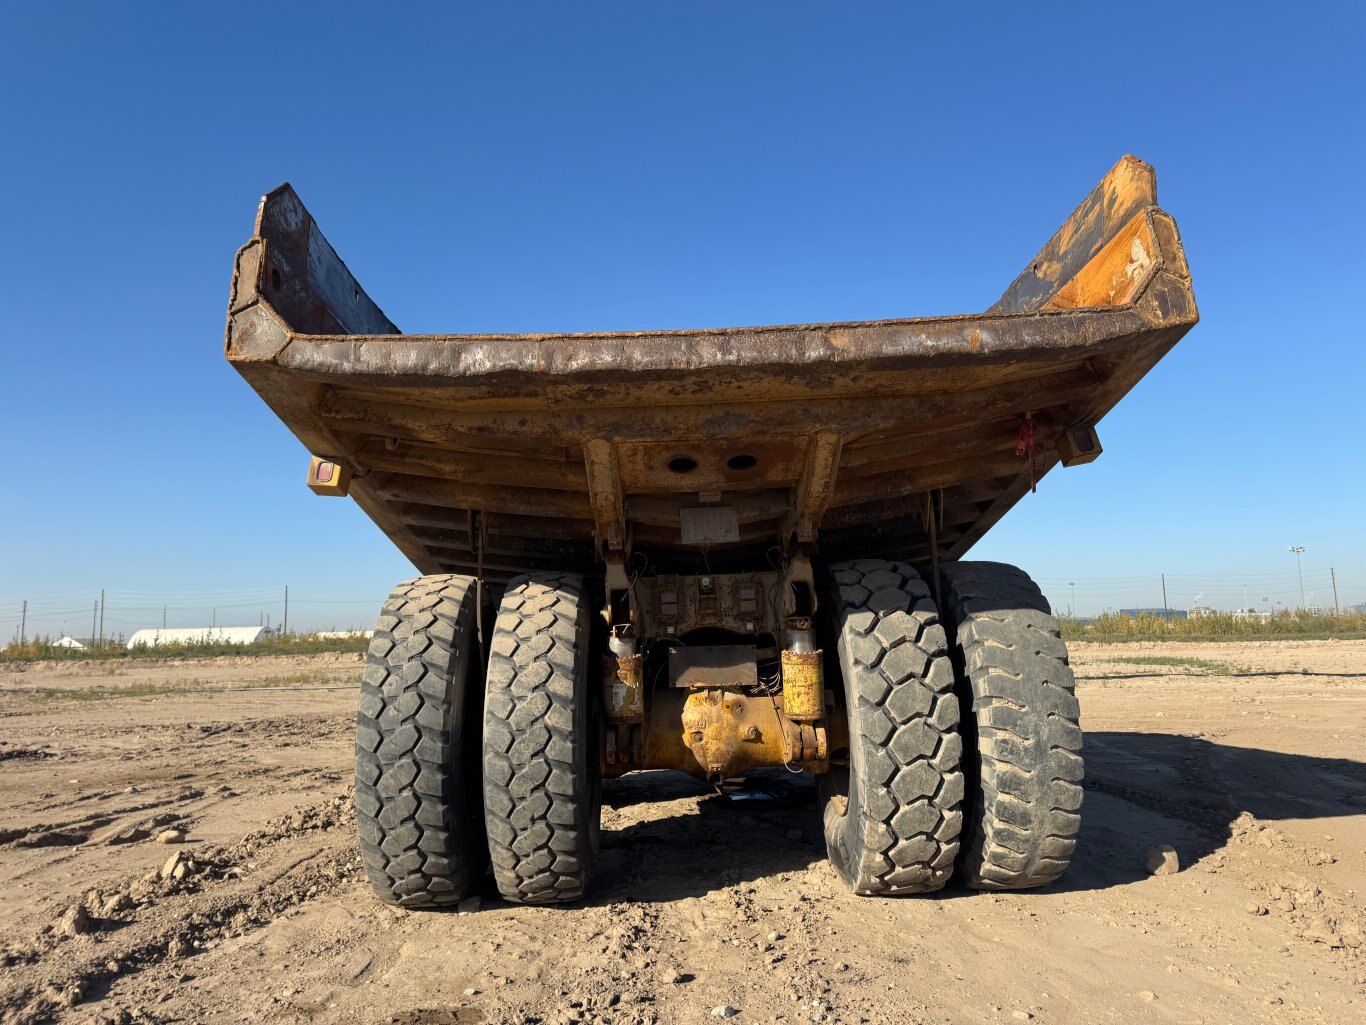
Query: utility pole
point(215, 619)
point(23, 624)
point(1334, 577)
point(1166, 612)
point(94, 611)
point(101, 617)
point(1299, 550)
point(1072, 608)
point(163, 617)
point(284, 627)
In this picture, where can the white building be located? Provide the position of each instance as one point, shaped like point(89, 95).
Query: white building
point(200, 635)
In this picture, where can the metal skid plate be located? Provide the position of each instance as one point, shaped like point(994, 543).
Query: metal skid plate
point(724, 665)
point(710, 525)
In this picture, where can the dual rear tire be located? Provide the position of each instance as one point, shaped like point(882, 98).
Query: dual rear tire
point(963, 755)
point(454, 770)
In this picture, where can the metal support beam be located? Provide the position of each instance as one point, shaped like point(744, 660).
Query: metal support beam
point(817, 486)
point(604, 492)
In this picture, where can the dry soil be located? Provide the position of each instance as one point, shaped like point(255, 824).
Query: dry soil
point(1248, 760)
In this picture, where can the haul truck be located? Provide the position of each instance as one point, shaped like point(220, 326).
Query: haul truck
point(713, 550)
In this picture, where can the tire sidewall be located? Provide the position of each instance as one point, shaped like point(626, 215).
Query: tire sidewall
point(844, 843)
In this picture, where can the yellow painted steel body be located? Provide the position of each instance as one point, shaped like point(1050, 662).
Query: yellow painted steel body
point(803, 685)
point(328, 477)
point(714, 733)
point(1079, 445)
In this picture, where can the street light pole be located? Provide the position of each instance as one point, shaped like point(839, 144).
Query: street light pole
point(1072, 609)
point(1299, 550)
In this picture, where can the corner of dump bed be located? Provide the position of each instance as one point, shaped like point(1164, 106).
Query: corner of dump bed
point(1116, 245)
point(288, 280)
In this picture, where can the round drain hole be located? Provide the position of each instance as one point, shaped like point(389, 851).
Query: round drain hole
point(745, 461)
point(682, 464)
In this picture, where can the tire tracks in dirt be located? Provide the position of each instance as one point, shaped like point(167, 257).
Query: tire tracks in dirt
point(156, 920)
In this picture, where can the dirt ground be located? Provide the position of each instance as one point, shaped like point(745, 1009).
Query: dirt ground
point(1249, 759)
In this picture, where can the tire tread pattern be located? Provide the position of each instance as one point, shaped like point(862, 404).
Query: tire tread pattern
point(1025, 814)
point(903, 723)
point(420, 839)
point(539, 804)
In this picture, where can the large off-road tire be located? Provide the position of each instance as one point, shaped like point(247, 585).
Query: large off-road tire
point(542, 782)
point(1021, 730)
point(891, 805)
point(417, 742)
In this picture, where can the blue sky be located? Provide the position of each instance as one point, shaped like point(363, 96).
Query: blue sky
point(525, 167)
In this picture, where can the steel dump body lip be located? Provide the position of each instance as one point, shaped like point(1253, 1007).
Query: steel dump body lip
point(511, 453)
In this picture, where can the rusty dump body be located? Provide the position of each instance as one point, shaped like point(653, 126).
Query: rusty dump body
point(504, 454)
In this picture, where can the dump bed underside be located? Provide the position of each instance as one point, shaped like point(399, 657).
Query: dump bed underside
point(505, 454)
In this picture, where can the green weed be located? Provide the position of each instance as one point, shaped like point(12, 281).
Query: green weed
point(293, 644)
point(165, 688)
point(1219, 627)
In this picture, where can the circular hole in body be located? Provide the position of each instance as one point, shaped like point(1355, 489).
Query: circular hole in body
point(743, 461)
point(682, 464)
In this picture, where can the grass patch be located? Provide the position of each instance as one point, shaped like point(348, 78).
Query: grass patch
point(1285, 626)
point(294, 644)
point(165, 688)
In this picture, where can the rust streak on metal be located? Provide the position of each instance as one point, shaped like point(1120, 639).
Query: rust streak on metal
point(803, 685)
point(1115, 274)
point(817, 486)
point(604, 489)
point(623, 687)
